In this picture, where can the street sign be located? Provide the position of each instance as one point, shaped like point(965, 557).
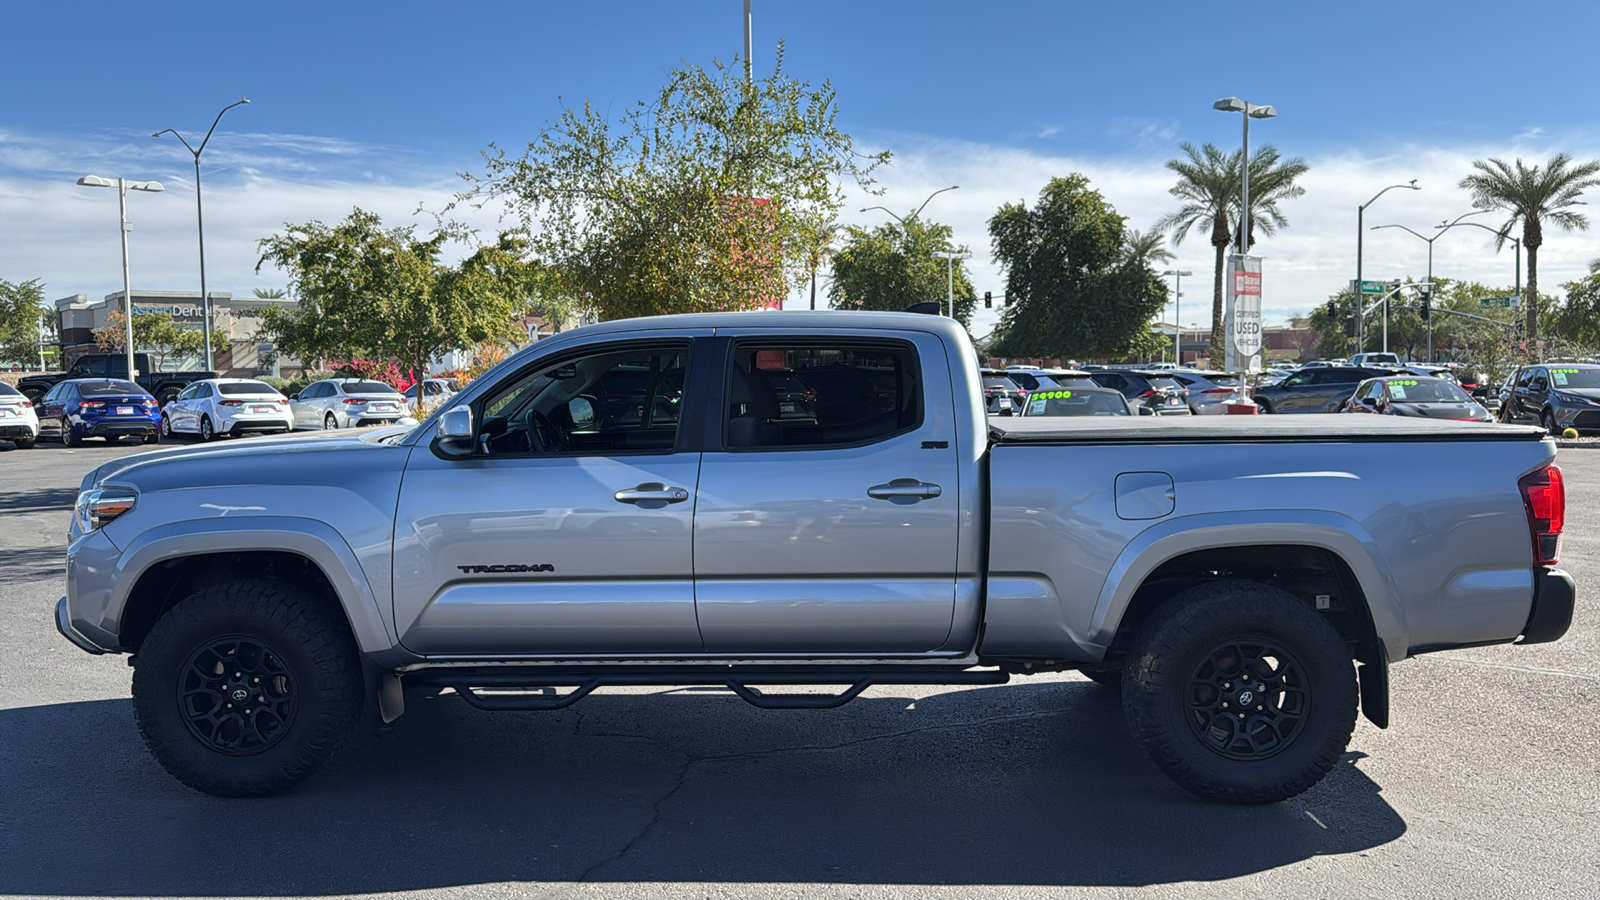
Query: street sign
point(1503, 302)
point(1244, 314)
point(1373, 287)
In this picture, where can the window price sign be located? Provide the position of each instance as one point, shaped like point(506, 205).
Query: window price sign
point(1244, 314)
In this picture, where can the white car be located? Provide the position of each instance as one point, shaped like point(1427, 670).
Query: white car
point(436, 392)
point(231, 406)
point(18, 421)
point(346, 403)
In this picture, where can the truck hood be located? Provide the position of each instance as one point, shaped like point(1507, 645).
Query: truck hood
point(278, 460)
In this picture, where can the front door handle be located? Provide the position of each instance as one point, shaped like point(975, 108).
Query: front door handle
point(904, 490)
point(652, 494)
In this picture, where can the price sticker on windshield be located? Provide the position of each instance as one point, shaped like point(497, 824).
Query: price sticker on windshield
point(1053, 395)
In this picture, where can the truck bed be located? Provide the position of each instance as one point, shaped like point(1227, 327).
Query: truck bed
point(1307, 428)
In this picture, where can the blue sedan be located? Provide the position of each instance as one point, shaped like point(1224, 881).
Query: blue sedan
point(109, 408)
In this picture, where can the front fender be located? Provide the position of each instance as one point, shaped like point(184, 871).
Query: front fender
point(1337, 533)
point(309, 538)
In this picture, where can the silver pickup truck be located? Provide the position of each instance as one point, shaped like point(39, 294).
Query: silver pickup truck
point(757, 500)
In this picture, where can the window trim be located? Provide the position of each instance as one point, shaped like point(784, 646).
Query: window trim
point(717, 424)
point(684, 440)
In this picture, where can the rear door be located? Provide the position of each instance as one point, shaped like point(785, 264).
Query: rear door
point(837, 533)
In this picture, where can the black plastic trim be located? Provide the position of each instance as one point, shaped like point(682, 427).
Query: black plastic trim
point(1554, 598)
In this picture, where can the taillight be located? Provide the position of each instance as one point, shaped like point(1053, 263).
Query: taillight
point(1148, 394)
point(91, 404)
point(1544, 496)
point(25, 404)
point(230, 402)
point(355, 399)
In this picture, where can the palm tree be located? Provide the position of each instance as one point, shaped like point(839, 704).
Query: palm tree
point(1533, 195)
point(1208, 182)
point(1146, 248)
point(268, 293)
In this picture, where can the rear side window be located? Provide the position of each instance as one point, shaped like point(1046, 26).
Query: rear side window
point(820, 394)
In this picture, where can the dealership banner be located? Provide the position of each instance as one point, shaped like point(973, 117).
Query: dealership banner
point(1243, 317)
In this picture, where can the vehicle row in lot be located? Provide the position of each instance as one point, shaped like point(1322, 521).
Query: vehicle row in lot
point(1556, 395)
point(1418, 397)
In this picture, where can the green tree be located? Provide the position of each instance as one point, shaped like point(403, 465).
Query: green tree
point(1577, 317)
point(155, 334)
point(1071, 288)
point(381, 293)
point(1533, 195)
point(892, 266)
point(1148, 248)
point(711, 197)
point(22, 314)
point(268, 293)
point(1209, 184)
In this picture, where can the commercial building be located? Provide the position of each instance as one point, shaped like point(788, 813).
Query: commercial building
point(78, 318)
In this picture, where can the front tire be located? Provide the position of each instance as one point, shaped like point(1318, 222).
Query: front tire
point(1266, 408)
point(1240, 693)
point(1548, 420)
point(246, 688)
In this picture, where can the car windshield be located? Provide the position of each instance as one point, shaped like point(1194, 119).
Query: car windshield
point(1406, 390)
point(1566, 377)
point(1076, 403)
point(995, 382)
point(246, 387)
point(109, 388)
point(368, 387)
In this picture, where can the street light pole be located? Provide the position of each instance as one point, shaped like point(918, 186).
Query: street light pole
point(1251, 111)
point(950, 257)
point(1442, 228)
point(1177, 313)
point(918, 210)
point(205, 298)
point(123, 186)
point(1361, 321)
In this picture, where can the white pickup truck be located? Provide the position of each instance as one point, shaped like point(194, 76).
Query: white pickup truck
point(764, 499)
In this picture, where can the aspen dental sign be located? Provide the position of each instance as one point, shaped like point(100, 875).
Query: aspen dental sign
point(1244, 314)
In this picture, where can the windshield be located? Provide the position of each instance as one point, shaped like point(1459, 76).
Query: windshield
point(109, 388)
point(1421, 391)
point(1076, 403)
point(246, 387)
point(1566, 377)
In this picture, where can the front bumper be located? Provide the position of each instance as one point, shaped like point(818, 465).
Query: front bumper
point(64, 625)
point(1554, 596)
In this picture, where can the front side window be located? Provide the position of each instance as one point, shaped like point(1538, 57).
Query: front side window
point(820, 394)
point(622, 400)
point(93, 366)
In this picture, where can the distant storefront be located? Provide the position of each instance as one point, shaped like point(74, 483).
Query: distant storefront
point(241, 356)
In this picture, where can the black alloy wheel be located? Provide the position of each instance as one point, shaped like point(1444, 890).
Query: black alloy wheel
point(1247, 699)
point(237, 695)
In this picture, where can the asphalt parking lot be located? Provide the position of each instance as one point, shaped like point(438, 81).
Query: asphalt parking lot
point(1487, 785)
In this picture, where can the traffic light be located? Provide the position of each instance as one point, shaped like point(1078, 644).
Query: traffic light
point(1350, 328)
point(988, 299)
point(1427, 302)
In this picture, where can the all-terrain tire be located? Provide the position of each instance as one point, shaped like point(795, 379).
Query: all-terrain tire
point(1179, 714)
point(181, 674)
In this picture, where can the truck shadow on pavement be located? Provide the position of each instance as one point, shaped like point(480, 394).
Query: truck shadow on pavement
point(1029, 784)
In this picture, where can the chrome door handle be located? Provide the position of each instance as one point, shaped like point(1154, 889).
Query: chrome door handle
point(904, 490)
point(652, 492)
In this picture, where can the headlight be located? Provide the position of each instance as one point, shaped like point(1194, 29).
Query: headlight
point(97, 507)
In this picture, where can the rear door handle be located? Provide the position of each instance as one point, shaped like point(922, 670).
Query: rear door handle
point(904, 490)
point(652, 493)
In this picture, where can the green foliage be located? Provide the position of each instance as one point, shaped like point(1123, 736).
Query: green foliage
point(892, 266)
point(22, 312)
point(714, 196)
point(1072, 290)
point(1577, 318)
point(268, 293)
point(381, 293)
point(157, 335)
point(1533, 195)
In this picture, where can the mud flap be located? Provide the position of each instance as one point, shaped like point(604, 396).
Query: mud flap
point(1375, 690)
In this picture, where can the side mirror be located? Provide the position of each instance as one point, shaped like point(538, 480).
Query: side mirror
point(581, 411)
point(454, 435)
point(1146, 411)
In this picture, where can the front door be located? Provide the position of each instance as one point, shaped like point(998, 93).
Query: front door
point(828, 514)
point(569, 529)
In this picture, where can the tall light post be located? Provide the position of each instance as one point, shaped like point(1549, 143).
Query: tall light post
point(123, 186)
point(1250, 111)
point(1443, 227)
point(1361, 321)
point(919, 209)
point(950, 257)
point(205, 298)
point(1177, 312)
point(1516, 244)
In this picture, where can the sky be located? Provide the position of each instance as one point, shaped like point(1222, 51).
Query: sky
point(383, 105)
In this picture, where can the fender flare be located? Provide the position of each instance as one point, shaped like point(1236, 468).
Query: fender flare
point(1334, 532)
point(314, 540)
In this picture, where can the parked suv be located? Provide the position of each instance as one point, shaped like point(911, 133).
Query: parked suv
point(1558, 396)
point(346, 403)
point(1374, 359)
point(1314, 390)
point(1157, 390)
point(1001, 395)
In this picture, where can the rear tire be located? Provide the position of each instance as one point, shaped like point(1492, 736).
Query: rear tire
point(1240, 693)
point(68, 437)
point(283, 654)
point(1266, 408)
point(329, 423)
point(206, 432)
point(26, 443)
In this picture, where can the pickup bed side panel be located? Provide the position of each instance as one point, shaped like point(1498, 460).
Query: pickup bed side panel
point(1435, 532)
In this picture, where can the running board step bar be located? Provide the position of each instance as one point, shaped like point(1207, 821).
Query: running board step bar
point(514, 690)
